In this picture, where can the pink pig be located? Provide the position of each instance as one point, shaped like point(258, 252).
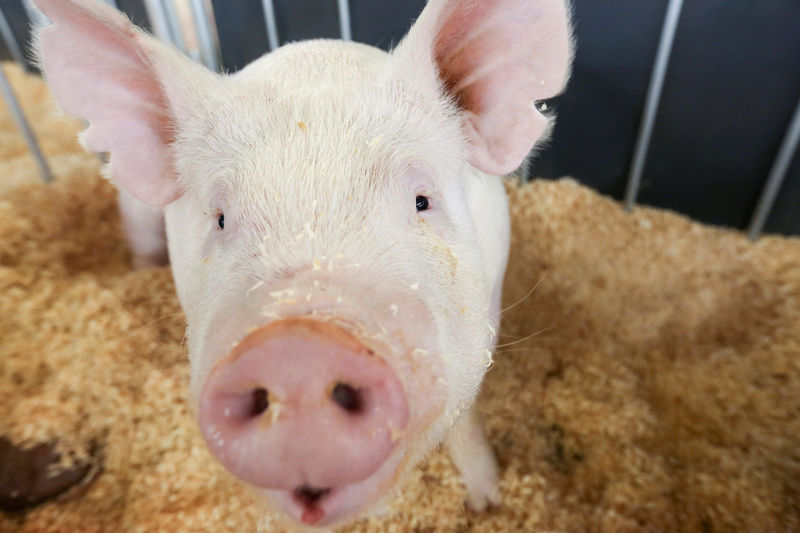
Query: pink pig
point(337, 231)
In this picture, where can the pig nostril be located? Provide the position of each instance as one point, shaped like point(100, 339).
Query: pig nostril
point(347, 397)
point(259, 401)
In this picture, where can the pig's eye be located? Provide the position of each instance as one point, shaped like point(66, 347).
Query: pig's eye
point(221, 221)
point(422, 203)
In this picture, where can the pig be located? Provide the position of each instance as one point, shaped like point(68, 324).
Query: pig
point(336, 228)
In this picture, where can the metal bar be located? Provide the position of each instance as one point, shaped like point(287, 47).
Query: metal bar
point(158, 19)
point(208, 45)
point(25, 128)
point(37, 18)
point(651, 104)
point(526, 169)
point(11, 41)
point(776, 176)
point(165, 23)
point(174, 25)
point(272, 27)
point(344, 20)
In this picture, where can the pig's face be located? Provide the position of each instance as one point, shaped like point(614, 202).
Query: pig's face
point(336, 214)
point(337, 241)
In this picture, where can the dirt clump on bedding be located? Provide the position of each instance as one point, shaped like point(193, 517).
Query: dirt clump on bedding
point(649, 378)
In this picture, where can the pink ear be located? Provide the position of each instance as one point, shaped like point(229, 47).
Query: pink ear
point(102, 69)
point(496, 58)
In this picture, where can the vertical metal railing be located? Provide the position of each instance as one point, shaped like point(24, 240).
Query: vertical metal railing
point(158, 19)
point(10, 41)
point(36, 17)
point(24, 126)
point(651, 103)
point(12, 102)
point(344, 20)
point(164, 21)
point(525, 172)
point(209, 50)
point(174, 25)
point(272, 26)
point(776, 176)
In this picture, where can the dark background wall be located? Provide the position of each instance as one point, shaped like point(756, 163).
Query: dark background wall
point(732, 85)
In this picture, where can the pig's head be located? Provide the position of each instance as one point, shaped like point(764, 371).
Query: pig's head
point(326, 226)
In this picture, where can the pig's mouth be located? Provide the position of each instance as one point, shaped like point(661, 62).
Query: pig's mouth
point(311, 500)
point(328, 506)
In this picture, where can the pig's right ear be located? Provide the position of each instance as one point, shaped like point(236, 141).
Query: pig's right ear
point(129, 87)
point(494, 59)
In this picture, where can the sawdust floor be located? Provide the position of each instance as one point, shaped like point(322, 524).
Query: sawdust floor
point(661, 394)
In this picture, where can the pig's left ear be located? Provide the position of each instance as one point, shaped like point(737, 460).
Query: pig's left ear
point(134, 92)
point(495, 58)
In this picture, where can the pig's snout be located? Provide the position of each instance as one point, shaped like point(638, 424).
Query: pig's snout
point(302, 406)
